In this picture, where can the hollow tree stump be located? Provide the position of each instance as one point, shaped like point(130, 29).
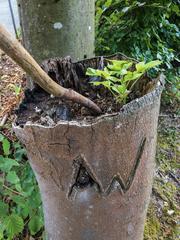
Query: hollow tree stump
point(96, 177)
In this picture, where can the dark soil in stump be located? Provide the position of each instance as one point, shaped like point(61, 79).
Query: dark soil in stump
point(39, 107)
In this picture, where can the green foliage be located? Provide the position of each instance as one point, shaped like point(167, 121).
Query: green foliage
point(35, 225)
point(144, 30)
point(17, 89)
point(20, 202)
point(172, 92)
point(119, 79)
point(6, 146)
point(13, 224)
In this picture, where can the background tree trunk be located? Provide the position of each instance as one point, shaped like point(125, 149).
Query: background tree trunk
point(57, 28)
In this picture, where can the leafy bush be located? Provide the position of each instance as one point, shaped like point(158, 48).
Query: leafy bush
point(145, 30)
point(20, 202)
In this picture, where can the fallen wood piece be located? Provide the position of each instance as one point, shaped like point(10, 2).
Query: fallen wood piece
point(19, 54)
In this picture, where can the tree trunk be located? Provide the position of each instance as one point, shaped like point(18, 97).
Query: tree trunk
point(52, 28)
point(96, 177)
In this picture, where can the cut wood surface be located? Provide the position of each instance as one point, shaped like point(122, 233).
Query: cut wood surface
point(19, 54)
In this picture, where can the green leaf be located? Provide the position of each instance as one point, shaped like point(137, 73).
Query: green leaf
point(142, 66)
point(131, 76)
point(34, 201)
point(19, 200)
point(22, 205)
point(18, 187)
point(12, 177)
point(108, 3)
point(2, 228)
point(14, 225)
point(25, 210)
point(28, 190)
point(1, 137)
point(118, 73)
point(96, 83)
point(3, 209)
point(104, 74)
point(152, 64)
point(6, 146)
point(7, 164)
point(114, 79)
point(106, 84)
point(122, 88)
point(20, 153)
point(115, 89)
point(119, 65)
point(92, 72)
point(16, 88)
point(16, 145)
point(119, 62)
point(35, 225)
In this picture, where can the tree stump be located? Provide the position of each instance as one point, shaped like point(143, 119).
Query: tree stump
point(95, 176)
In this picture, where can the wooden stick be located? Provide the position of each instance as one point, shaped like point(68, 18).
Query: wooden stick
point(19, 54)
point(3, 121)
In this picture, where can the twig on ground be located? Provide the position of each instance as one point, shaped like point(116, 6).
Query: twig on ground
point(3, 121)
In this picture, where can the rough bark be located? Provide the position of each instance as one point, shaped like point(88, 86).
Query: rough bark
point(58, 28)
point(96, 177)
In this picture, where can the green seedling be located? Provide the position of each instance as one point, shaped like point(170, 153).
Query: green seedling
point(16, 89)
point(119, 78)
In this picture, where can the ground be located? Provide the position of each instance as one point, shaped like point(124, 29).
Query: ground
point(162, 218)
point(163, 212)
point(11, 86)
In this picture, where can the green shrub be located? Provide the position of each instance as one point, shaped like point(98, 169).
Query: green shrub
point(144, 30)
point(20, 202)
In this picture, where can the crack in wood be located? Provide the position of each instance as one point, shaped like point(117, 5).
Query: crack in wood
point(84, 177)
point(118, 183)
point(52, 172)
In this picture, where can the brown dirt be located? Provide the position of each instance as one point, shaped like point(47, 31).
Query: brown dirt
point(40, 107)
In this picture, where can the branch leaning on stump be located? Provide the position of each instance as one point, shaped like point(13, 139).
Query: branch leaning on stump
point(20, 55)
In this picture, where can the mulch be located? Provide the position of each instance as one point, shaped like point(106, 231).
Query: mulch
point(11, 76)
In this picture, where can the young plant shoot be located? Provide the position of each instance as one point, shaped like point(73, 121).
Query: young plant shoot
point(119, 78)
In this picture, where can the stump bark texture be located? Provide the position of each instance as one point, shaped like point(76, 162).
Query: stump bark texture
point(95, 177)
